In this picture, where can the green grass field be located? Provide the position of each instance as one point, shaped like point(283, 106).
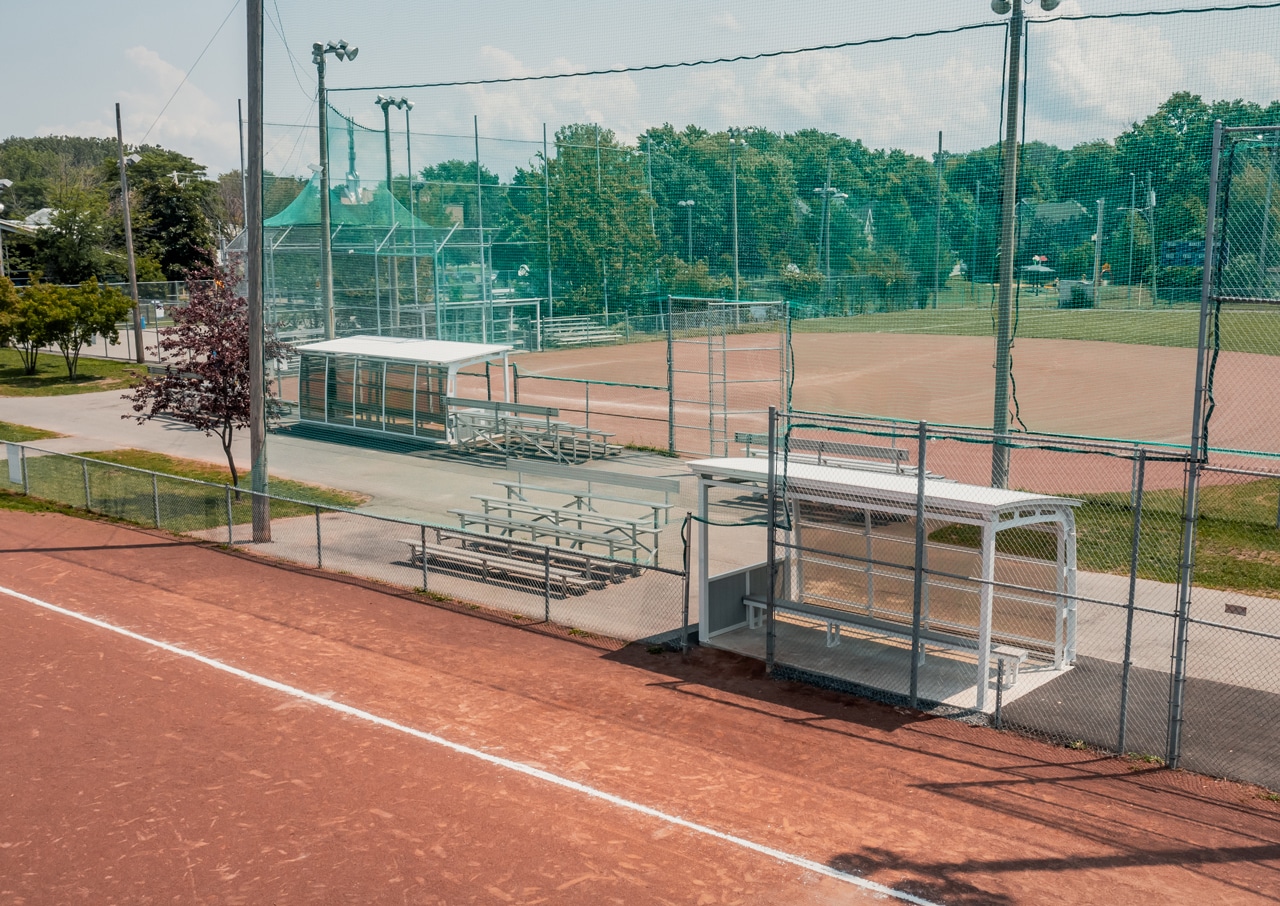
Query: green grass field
point(1238, 544)
point(18, 434)
point(51, 379)
point(185, 506)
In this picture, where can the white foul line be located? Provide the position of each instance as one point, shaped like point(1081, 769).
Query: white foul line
point(350, 711)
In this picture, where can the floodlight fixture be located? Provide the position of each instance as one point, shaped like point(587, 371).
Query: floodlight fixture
point(314, 168)
point(132, 159)
point(5, 183)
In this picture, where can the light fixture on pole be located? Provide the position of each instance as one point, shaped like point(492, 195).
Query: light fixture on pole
point(343, 51)
point(829, 195)
point(407, 105)
point(737, 142)
point(4, 184)
point(393, 281)
point(688, 204)
point(139, 355)
point(1008, 207)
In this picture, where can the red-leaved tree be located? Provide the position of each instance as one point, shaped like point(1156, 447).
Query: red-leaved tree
point(205, 382)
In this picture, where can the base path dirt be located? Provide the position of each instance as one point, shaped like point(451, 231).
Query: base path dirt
point(136, 774)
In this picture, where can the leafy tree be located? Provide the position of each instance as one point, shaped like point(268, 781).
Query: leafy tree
point(205, 382)
point(173, 228)
point(24, 321)
point(75, 315)
point(70, 250)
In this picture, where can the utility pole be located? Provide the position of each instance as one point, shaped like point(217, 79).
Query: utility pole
point(973, 257)
point(1008, 241)
point(937, 227)
point(140, 357)
point(253, 276)
point(1133, 200)
point(1097, 258)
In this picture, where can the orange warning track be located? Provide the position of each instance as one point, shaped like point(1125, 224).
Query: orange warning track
point(134, 774)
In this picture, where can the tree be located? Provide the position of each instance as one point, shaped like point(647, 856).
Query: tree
point(23, 321)
point(75, 315)
point(205, 382)
point(70, 250)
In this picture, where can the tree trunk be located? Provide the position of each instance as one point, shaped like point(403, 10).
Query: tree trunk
point(226, 436)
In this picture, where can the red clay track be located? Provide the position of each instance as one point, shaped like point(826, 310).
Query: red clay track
point(136, 775)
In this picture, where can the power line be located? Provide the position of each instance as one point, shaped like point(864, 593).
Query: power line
point(187, 75)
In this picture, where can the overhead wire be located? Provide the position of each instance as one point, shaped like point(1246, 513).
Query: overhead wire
point(187, 74)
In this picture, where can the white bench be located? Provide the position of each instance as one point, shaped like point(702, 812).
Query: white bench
point(489, 565)
point(1011, 658)
point(574, 538)
point(584, 500)
point(590, 567)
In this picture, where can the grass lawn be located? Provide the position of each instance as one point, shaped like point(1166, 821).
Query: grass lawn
point(1238, 544)
point(184, 505)
point(18, 434)
point(51, 379)
point(1242, 331)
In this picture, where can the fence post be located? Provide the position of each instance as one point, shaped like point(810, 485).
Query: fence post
point(671, 385)
point(88, 498)
point(22, 460)
point(422, 539)
point(546, 585)
point(320, 550)
point(999, 715)
point(772, 537)
point(587, 388)
point(155, 498)
point(917, 595)
point(230, 522)
point(1140, 475)
point(685, 536)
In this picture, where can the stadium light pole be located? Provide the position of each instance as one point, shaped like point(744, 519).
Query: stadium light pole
point(386, 103)
point(829, 195)
point(140, 355)
point(737, 141)
point(687, 204)
point(4, 184)
point(1133, 200)
point(1008, 237)
point(343, 51)
point(407, 105)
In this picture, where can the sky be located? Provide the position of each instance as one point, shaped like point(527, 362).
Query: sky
point(67, 63)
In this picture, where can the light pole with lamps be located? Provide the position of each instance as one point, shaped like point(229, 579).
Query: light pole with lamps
point(4, 184)
point(393, 281)
point(829, 195)
point(1133, 198)
point(737, 141)
point(687, 204)
point(1008, 206)
point(343, 51)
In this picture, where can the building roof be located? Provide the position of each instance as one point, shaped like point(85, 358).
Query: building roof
point(400, 349)
point(857, 486)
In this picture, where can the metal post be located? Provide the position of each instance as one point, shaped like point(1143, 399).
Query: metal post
point(1133, 590)
point(230, 522)
point(486, 314)
point(973, 257)
point(244, 184)
point(587, 404)
point(22, 459)
point(422, 540)
point(1008, 243)
point(684, 620)
point(139, 352)
point(155, 498)
point(1097, 258)
point(1151, 207)
point(734, 141)
point(937, 230)
point(261, 502)
point(320, 548)
point(413, 216)
point(917, 595)
point(1133, 200)
point(393, 276)
point(771, 542)
point(88, 499)
point(546, 190)
point(671, 384)
point(326, 237)
point(998, 722)
point(546, 585)
point(1265, 236)
point(1195, 459)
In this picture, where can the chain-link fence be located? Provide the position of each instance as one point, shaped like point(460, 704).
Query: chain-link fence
point(571, 581)
point(1060, 608)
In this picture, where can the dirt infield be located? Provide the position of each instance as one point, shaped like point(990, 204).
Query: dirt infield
point(1089, 388)
point(139, 775)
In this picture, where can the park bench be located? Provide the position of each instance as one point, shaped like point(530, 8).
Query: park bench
point(1010, 657)
point(590, 567)
point(561, 535)
point(586, 499)
point(490, 565)
point(577, 331)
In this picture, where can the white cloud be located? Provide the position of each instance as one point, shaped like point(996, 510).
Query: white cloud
point(193, 124)
point(727, 21)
